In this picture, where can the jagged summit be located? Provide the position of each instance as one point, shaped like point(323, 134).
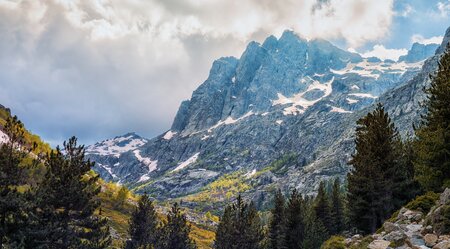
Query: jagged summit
point(419, 52)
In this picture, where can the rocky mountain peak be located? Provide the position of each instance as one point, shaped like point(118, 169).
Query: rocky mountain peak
point(419, 52)
point(282, 115)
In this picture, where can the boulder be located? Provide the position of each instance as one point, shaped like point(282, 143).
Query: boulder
point(379, 244)
point(390, 227)
point(442, 245)
point(430, 239)
point(443, 238)
point(445, 197)
point(396, 236)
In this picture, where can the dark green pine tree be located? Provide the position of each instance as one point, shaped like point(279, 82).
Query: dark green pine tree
point(175, 234)
point(322, 207)
point(295, 226)
point(12, 202)
point(337, 208)
point(66, 202)
point(143, 228)
point(277, 225)
point(225, 230)
point(250, 227)
point(315, 232)
point(405, 187)
point(375, 164)
point(240, 227)
point(432, 146)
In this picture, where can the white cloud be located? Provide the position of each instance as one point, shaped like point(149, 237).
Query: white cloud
point(99, 68)
point(384, 53)
point(444, 8)
point(406, 12)
point(431, 40)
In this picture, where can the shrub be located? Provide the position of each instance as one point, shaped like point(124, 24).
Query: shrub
point(335, 242)
point(424, 202)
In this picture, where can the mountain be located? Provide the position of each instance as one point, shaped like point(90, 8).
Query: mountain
point(121, 153)
point(419, 52)
point(280, 116)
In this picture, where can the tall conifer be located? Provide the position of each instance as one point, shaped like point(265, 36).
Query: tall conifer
point(143, 228)
point(175, 233)
point(295, 225)
point(66, 201)
point(277, 226)
point(370, 183)
point(432, 145)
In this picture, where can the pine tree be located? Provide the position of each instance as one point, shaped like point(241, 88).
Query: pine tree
point(277, 226)
point(143, 228)
point(337, 208)
point(225, 230)
point(432, 146)
point(176, 231)
point(66, 201)
point(12, 202)
point(405, 187)
point(121, 196)
point(253, 235)
point(295, 226)
point(315, 231)
point(241, 226)
point(370, 183)
point(322, 207)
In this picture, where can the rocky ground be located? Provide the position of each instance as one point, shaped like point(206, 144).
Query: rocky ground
point(411, 229)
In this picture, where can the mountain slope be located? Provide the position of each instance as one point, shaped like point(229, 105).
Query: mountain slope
point(280, 116)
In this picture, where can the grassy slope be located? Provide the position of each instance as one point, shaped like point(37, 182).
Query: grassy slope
point(119, 216)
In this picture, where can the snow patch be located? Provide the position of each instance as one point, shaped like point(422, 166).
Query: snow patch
point(205, 137)
point(355, 87)
point(230, 120)
point(233, 79)
point(351, 101)
point(363, 95)
point(250, 173)
point(116, 146)
point(144, 178)
point(169, 135)
point(339, 110)
point(188, 162)
point(373, 69)
point(298, 101)
point(152, 165)
point(279, 122)
point(107, 169)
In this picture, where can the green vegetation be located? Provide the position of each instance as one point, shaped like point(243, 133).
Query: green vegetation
point(432, 146)
point(335, 242)
point(381, 180)
point(424, 202)
point(240, 227)
point(222, 189)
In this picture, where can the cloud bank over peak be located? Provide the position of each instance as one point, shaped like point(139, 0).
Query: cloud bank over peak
point(98, 68)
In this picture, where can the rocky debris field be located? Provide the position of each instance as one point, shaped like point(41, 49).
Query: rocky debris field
point(411, 229)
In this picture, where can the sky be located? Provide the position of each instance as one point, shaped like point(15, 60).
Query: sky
point(101, 68)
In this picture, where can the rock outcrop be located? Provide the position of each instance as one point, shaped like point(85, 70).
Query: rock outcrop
point(413, 229)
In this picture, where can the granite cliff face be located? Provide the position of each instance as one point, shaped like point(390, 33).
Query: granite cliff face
point(282, 115)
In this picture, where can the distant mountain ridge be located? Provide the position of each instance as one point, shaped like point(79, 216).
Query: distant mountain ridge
point(282, 115)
